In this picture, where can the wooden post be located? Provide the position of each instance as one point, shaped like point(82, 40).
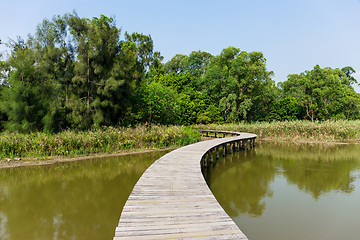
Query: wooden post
point(251, 143)
point(238, 146)
point(231, 147)
point(215, 134)
point(245, 144)
point(224, 149)
point(207, 133)
point(210, 156)
point(217, 152)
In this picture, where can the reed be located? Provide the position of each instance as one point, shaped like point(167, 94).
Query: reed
point(328, 131)
point(112, 140)
point(105, 140)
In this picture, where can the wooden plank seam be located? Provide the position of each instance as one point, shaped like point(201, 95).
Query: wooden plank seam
point(171, 200)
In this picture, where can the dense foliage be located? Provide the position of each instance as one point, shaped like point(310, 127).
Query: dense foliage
point(78, 73)
point(323, 93)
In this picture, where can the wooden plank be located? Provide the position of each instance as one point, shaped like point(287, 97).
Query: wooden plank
point(225, 234)
point(172, 200)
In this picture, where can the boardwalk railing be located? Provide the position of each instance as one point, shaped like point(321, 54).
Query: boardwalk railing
point(215, 133)
point(229, 146)
point(171, 200)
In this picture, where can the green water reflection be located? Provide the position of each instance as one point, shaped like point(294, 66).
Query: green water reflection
point(288, 191)
point(76, 200)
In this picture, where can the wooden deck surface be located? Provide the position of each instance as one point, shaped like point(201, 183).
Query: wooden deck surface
point(172, 200)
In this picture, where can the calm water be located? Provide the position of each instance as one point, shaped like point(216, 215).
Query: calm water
point(287, 191)
point(72, 201)
point(276, 191)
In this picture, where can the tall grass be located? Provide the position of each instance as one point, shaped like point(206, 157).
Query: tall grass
point(112, 140)
point(106, 140)
point(342, 130)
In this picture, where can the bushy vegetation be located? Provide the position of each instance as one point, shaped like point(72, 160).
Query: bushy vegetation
point(341, 130)
point(77, 84)
point(78, 73)
point(323, 93)
point(106, 140)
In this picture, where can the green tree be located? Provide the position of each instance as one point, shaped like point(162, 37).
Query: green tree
point(22, 101)
point(78, 74)
point(144, 54)
point(177, 64)
point(195, 64)
point(95, 84)
point(75, 72)
point(4, 69)
point(196, 106)
point(182, 82)
point(283, 109)
point(156, 104)
point(239, 84)
point(323, 93)
point(36, 93)
point(349, 71)
point(55, 62)
point(156, 68)
point(4, 72)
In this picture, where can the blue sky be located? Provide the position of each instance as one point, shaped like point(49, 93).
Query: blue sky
point(293, 35)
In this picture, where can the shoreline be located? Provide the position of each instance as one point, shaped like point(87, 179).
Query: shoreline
point(61, 159)
point(309, 141)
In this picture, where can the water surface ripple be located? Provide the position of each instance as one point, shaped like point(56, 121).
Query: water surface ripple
point(291, 191)
point(69, 201)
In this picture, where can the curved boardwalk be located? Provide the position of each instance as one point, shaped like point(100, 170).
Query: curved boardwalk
point(172, 200)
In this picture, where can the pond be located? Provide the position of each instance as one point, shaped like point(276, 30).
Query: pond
point(291, 191)
point(74, 200)
point(275, 191)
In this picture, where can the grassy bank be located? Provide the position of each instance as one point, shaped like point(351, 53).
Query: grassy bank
point(107, 140)
point(329, 131)
point(114, 140)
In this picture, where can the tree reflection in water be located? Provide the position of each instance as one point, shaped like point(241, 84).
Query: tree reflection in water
point(291, 191)
point(75, 200)
point(241, 185)
point(242, 180)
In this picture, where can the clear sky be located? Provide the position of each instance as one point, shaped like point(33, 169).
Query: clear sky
point(293, 35)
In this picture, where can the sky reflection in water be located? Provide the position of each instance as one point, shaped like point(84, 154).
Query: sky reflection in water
point(291, 191)
point(75, 200)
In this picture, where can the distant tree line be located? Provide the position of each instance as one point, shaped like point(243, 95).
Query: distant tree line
point(82, 73)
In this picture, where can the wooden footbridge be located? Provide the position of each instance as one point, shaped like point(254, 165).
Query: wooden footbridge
point(172, 200)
